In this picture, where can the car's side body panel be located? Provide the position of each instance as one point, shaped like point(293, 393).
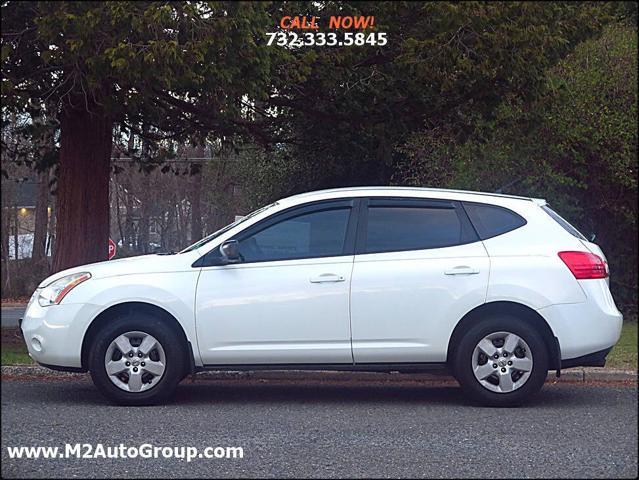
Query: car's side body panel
point(61, 328)
point(404, 305)
point(275, 312)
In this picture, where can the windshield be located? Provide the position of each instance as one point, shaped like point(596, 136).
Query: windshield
point(222, 230)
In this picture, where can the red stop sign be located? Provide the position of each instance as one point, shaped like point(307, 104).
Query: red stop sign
point(111, 249)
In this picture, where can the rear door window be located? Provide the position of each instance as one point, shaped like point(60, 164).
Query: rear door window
point(491, 220)
point(408, 225)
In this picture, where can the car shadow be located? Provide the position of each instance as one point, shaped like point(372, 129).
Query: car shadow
point(258, 391)
point(565, 395)
point(283, 392)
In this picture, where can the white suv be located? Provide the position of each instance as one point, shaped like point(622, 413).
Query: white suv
point(497, 288)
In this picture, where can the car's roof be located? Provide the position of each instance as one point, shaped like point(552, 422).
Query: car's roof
point(403, 191)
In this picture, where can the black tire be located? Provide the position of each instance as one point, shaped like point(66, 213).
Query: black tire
point(174, 348)
point(463, 369)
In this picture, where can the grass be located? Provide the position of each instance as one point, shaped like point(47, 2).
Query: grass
point(15, 355)
point(624, 355)
point(13, 351)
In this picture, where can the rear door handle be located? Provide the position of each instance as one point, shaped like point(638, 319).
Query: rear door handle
point(327, 278)
point(462, 270)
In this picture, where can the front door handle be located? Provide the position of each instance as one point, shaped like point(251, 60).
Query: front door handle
point(462, 270)
point(327, 278)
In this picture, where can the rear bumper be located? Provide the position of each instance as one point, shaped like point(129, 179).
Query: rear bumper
point(583, 330)
point(597, 359)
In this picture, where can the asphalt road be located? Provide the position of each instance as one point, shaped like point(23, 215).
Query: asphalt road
point(10, 315)
point(328, 430)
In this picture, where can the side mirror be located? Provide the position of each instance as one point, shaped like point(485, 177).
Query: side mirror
point(592, 237)
point(230, 251)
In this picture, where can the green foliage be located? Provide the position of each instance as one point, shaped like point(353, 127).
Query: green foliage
point(267, 176)
point(29, 139)
point(180, 68)
point(446, 64)
point(177, 67)
point(575, 145)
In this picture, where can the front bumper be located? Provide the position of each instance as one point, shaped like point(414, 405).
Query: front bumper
point(54, 334)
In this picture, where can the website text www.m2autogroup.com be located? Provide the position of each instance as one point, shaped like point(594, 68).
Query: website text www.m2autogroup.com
point(146, 450)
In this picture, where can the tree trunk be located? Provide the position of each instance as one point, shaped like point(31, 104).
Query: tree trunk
point(83, 185)
point(5, 232)
point(129, 230)
point(5, 248)
point(118, 216)
point(171, 224)
point(15, 234)
point(51, 242)
point(41, 219)
point(144, 213)
point(196, 199)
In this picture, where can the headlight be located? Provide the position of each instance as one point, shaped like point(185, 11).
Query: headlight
point(53, 293)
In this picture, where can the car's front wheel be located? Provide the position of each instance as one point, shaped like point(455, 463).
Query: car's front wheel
point(501, 362)
point(137, 359)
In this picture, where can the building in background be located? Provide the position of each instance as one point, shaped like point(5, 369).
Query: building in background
point(19, 210)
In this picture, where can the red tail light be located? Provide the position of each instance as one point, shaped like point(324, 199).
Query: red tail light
point(584, 265)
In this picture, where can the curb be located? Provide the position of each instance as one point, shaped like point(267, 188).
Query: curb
point(570, 375)
point(603, 375)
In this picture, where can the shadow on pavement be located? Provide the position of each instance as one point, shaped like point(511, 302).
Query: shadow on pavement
point(257, 391)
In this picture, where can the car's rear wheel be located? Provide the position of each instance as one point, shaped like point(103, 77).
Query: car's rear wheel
point(137, 359)
point(501, 361)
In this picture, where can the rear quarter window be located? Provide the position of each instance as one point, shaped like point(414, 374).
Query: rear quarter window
point(491, 220)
